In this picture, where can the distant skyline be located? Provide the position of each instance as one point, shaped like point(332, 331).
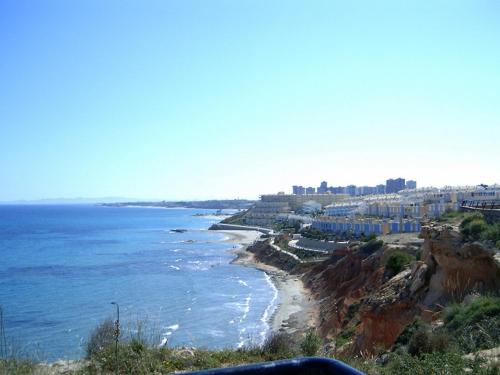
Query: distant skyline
point(185, 100)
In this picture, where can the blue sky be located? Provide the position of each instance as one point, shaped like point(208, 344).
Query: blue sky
point(225, 99)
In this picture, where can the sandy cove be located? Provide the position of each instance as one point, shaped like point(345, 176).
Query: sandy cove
point(297, 310)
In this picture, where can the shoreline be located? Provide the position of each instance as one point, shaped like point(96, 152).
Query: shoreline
point(296, 310)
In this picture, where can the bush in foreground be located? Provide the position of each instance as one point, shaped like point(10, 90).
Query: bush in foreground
point(17, 367)
point(424, 341)
point(278, 345)
point(476, 325)
point(449, 362)
point(101, 337)
point(311, 343)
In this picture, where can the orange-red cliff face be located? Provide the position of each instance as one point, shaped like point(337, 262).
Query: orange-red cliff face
point(385, 314)
point(353, 292)
point(340, 284)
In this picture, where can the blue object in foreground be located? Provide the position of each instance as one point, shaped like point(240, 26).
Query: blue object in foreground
point(308, 365)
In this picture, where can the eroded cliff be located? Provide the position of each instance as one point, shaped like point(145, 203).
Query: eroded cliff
point(356, 293)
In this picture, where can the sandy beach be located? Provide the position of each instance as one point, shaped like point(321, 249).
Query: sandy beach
point(297, 310)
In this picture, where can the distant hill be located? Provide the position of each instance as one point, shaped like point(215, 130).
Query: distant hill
point(218, 204)
point(71, 200)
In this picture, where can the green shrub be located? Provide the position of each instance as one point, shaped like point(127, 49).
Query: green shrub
point(492, 233)
point(469, 218)
point(278, 345)
point(428, 363)
point(451, 216)
point(238, 356)
point(476, 326)
point(14, 366)
point(458, 316)
point(345, 335)
point(365, 365)
point(482, 335)
point(424, 341)
point(397, 261)
point(311, 343)
point(204, 360)
point(405, 336)
point(101, 337)
point(474, 227)
point(367, 238)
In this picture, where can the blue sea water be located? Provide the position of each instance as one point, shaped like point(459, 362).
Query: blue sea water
point(62, 266)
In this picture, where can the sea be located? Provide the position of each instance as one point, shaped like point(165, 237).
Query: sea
point(62, 266)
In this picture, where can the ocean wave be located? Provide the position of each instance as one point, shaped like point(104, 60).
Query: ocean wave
point(173, 327)
point(175, 267)
point(242, 283)
point(246, 308)
point(269, 309)
point(241, 338)
point(170, 330)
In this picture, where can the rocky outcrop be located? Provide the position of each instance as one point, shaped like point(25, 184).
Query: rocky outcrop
point(451, 269)
point(353, 291)
point(458, 268)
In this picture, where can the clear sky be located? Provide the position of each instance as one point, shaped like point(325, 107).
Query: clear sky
point(224, 99)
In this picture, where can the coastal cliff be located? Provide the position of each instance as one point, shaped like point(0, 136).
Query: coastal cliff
point(451, 269)
point(361, 300)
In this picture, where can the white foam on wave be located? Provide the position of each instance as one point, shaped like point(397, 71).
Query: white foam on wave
point(170, 330)
point(242, 282)
point(242, 341)
point(246, 308)
point(174, 267)
point(269, 309)
point(173, 327)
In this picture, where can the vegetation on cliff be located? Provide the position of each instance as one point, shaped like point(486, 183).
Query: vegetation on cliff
point(474, 227)
point(397, 261)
